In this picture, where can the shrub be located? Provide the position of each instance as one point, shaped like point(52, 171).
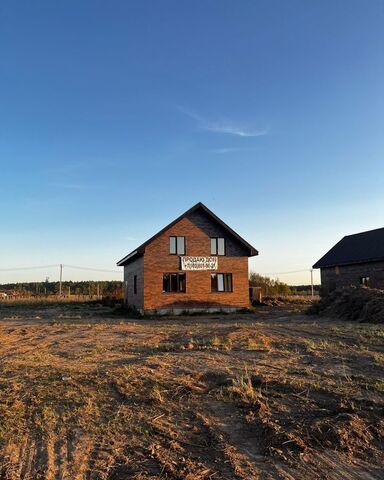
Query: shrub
point(269, 286)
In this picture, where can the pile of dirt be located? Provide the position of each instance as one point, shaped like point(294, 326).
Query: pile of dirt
point(358, 304)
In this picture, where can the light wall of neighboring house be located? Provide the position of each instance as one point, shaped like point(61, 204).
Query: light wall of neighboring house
point(136, 267)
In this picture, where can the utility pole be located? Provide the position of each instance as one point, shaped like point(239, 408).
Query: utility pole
point(61, 279)
point(312, 282)
point(69, 291)
point(98, 290)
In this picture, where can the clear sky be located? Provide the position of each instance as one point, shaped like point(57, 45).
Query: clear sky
point(116, 116)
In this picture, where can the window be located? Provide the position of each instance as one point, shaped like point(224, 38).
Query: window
point(177, 245)
point(174, 282)
point(364, 281)
point(217, 246)
point(135, 284)
point(221, 282)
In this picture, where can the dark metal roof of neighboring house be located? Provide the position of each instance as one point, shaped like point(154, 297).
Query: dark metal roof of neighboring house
point(141, 249)
point(358, 248)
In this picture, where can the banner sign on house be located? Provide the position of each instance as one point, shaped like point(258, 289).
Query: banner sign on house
point(198, 263)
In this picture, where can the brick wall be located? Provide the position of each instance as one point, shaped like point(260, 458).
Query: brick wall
point(197, 231)
point(347, 275)
point(136, 267)
point(213, 229)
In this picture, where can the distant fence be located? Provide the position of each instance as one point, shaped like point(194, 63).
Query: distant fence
point(49, 298)
point(257, 294)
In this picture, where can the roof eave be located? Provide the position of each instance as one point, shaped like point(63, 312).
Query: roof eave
point(141, 249)
point(252, 250)
point(130, 257)
point(341, 264)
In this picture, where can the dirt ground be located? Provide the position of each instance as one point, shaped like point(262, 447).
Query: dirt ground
point(276, 394)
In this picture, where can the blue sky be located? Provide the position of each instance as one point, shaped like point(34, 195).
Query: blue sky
point(117, 116)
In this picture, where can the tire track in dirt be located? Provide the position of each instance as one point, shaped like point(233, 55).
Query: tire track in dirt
point(241, 446)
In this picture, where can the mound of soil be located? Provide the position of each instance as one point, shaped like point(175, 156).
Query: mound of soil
point(354, 303)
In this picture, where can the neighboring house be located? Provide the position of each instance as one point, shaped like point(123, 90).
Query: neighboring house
point(356, 260)
point(196, 263)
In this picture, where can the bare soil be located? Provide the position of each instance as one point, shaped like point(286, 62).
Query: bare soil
point(276, 394)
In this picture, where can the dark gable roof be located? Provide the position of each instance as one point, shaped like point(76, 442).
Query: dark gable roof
point(359, 248)
point(141, 249)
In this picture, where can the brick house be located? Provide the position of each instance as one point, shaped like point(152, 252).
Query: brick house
point(196, 263)
point(356, 260)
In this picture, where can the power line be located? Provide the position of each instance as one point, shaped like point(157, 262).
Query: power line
point(57, 265)
point(91, 269)
point(28, 268)
point(283, 273)
point(308, 270)
point(78, 267)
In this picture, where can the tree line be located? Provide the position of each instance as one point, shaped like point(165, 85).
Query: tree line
point(106, 288)
point(114, 288)
point(273, 288)
point(269, 286)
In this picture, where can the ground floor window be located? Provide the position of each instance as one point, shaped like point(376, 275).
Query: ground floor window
point(174, 282)
point(364, 281)
point(221, 282)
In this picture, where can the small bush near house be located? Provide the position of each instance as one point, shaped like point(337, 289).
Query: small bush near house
point(269, 287)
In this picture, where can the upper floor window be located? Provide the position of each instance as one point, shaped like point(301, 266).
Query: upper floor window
point(177, 245)
point(217, 246)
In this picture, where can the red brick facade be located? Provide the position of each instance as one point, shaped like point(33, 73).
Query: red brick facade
point(155, 259)
point(198, 293)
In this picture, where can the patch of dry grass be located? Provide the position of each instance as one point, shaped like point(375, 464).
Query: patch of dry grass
point(88, 397)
